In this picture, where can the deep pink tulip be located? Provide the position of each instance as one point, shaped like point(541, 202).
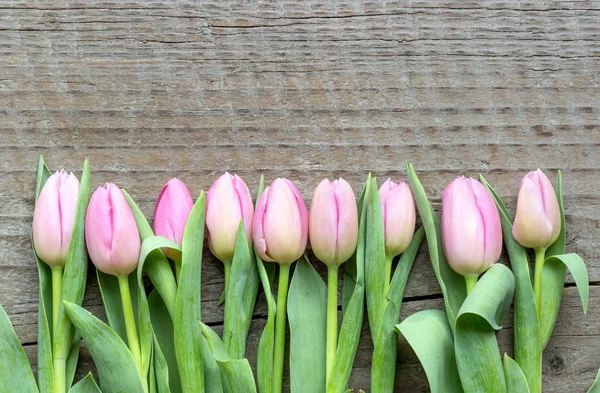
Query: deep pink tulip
point(333, 225)
point(227, 203)
point(111, 234)
point(471, 230)
point(399, 216)
point(54, 218)
point(280, 229)
point(537, 222)
point(171, 213)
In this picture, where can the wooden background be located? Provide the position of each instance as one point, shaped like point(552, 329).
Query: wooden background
point(306, 90)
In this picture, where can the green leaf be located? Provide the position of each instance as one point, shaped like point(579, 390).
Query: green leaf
point(349, 276)
point(66, 342)
point(307, 316)
point(236, 374)
point(115, 364)
point(161, 368)
point(349, 334)
point(157, 268)
point(451, 283)
point(576, 266)
point(374, 262)
point(86, 385)
point(242, 290)
point(553, 276)
point(212, 374)
point(385, 353)
point(150, 246)
point(164, 331)
point(475, 344)
point(528, 354)
point(188, 335)
point(515, 379)
point(595, 388)
point(429, 335)
point(15, 371)
point(45, 365)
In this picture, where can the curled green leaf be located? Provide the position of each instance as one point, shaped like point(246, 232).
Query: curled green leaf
point(475, 344)
point(429, 335)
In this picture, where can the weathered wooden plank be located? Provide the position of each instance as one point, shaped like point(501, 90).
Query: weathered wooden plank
point(306, 90)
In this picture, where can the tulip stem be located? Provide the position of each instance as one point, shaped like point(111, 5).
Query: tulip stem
point(471, 281)
point(332, 316)
point(130, 325)
point(280, 325)
point(57, 275)
point(540, 255)
point(388, 278)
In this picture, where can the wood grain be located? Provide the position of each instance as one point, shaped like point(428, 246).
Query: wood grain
point(306, 90)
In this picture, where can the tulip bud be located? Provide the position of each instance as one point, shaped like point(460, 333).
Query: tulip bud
point(333, 222)
point(471, 230)
point(111, 234)
point(228, 201)
point(537, 222)
point(399, 216)
point(54, 218)
point(171, 212)
point(280, 228)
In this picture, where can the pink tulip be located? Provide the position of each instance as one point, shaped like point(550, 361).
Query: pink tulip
point(399, 216)
point(171, 212)
point(54, 218)
point(537, 222)
point(333, 222)
point(281, 223)
point(111, 233)
point(471, 230)
point(227, 203)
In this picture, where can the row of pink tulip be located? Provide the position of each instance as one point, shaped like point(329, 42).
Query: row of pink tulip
point(281, 225)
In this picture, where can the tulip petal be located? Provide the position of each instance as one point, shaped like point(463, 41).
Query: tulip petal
point(551, 206)
point(246, 204)
point(68, 195)
point(46, 223)
point(223, 215)
point(282, 223)
point(323, 226)
point(347, 226)
point(531, 227)
point(491, 223)
point(126, 243)
point(258, 233)
point(462, 228)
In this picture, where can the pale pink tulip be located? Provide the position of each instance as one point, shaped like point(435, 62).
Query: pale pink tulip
point(111, 234)
point(471, 229)
point(280, 228)
point(537, 222)
point(333, 226)
point(171, 213)
point(399, 216)
point(227, 203)
point(54, 218)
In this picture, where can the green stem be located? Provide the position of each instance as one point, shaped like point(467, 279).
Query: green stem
point(280, 324)
point(227, 274)
point(332, 316)
point(388, 278)
point(60, 374)
point(130, 325)
point(540, 255)
point(471, 281)
point(57, 274)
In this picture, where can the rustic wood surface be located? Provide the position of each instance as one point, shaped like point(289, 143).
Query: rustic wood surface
point(306, 90)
